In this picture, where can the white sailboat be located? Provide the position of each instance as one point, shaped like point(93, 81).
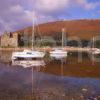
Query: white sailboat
point(59, 53)
point(27, 54)
point(94, 50)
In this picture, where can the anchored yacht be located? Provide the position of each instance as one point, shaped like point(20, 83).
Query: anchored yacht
point(27, 54)
point(58, 53)
point(94, 50)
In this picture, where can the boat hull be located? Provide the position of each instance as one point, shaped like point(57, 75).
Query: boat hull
point(58, 54)
point(28, 55)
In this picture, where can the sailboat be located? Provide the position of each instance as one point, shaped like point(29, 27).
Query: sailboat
point(94, 50)
point(28, 54)
point(59, 53)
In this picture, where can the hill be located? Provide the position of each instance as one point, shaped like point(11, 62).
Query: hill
point(84, 29)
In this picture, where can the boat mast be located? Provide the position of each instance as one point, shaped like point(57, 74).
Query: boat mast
point(63, 32)
point(93, 43)
point(33, 32)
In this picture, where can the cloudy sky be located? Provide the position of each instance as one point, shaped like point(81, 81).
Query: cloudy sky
point(17, 14)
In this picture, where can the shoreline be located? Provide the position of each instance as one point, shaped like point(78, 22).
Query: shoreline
point(20, 49)
point(67, 48)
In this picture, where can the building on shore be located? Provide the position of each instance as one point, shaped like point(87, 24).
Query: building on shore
point(10, 39)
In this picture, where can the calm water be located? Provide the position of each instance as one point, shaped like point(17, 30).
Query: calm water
point(66, 79)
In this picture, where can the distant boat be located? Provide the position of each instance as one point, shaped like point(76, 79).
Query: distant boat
point(29, 53)
point(59, 53)
point(93, 50)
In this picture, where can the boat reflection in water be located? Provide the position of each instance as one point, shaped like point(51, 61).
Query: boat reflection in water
point(29, 63)
point(35, 66)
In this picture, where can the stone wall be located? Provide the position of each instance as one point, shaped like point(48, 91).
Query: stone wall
point(9, 40)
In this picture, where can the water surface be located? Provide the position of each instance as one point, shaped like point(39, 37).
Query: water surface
point(66, 79)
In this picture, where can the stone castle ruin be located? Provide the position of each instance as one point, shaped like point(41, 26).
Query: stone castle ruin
point(10, 40)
